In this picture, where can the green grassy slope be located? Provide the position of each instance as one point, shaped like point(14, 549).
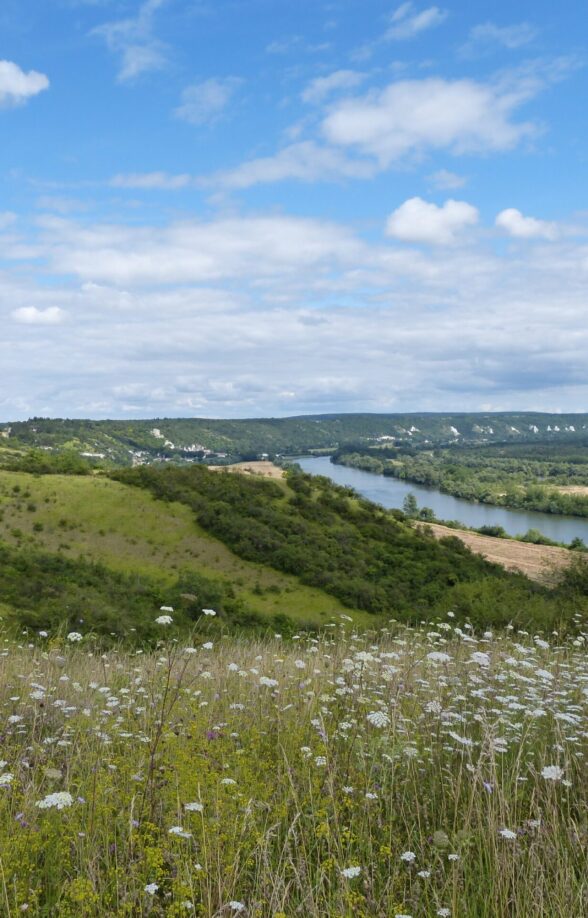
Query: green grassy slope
point(129, 531)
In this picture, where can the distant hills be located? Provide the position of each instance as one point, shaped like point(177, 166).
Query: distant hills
point(134, 442)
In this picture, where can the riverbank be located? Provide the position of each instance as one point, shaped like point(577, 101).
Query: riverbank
point(391, 492)
point(527, 481)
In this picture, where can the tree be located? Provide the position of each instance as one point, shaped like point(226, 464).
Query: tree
point(410, 506)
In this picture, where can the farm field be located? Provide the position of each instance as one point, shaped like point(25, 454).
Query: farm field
point(263, 468)
point(410, 772)
point(539, 562)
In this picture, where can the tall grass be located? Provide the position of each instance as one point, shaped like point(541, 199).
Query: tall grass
point(410, 772)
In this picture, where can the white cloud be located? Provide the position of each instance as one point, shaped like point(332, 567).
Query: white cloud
point(306, 161)
point(420, 221)
point(484, 36)
point(30, 315)
point(407, 22)
point(187, 318)
point(133, 40)
point(17, 86)
point(204, 103)
point(515, 224)
point(446, 180)
point(414, 116)
point(321, 87)
point(151, 180)
point(197, 251)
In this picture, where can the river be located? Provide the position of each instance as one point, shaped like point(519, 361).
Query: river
point(390, 492)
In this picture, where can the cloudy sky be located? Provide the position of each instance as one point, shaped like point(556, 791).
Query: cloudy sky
point(254, 207)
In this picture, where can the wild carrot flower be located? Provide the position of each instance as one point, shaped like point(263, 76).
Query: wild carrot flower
point(59, 801)
point(552, 773)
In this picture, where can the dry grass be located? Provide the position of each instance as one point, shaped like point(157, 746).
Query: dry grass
point(539, 562)
point(578, 490)
point(264, 468)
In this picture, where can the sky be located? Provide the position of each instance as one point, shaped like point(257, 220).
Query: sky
point(243, 208)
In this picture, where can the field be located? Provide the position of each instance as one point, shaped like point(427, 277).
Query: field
point(403, 773)
point(263, 468)
point(539, 562)
point(128, 530)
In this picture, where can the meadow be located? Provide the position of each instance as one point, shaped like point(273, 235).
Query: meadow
point(427, 771)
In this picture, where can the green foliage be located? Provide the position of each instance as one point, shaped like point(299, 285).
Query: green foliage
point(40, 462)
point(350, 548)
point(249, 438)
point(519, 476)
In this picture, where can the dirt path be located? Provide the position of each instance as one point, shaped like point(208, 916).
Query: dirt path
point(539, 562)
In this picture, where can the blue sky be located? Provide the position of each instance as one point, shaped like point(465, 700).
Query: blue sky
point(254, 207)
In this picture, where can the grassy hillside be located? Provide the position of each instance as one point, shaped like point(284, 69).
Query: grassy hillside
point(128, 531)
point(283, 553)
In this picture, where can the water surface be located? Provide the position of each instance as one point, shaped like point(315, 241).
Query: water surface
point(390, 493)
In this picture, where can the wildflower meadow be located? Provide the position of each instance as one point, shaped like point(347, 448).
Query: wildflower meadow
point(431, 771)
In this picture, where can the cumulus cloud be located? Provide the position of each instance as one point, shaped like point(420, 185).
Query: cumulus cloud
point(187, 318)
point(515, 224)
point(151, 180)
point(30, 315)
point(305, 161)
point(321, 87)
point(17, 86)
point(203, 103)
point(415, 116)
point(134, 42)
point(407, 22)
point(421, 221)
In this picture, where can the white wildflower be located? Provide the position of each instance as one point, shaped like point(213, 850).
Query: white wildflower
point(180, 832)
point(59, 800)
point(351, 872)
point(552, 773)
point(164, 620)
